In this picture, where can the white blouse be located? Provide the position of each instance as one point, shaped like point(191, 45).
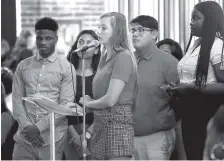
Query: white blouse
point(187, 65)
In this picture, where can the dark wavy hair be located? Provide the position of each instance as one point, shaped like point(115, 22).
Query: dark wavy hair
point(213, 26)
point(175, 47)
point(74, 58)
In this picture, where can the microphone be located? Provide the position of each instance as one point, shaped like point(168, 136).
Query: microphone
point(94, 43)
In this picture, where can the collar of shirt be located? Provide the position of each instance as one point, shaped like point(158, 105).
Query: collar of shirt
point(197, 42)
point(51, 58)
point(195, 45)
point(147, 55)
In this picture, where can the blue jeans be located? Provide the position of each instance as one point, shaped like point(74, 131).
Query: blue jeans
point(157, 146)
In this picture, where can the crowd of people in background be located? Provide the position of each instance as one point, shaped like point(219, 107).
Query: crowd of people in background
point(10, 58)
point(156, 102)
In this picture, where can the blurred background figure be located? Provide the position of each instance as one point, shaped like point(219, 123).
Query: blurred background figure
point(21, 50)
point(8, 128)
point(6, 117)
point(172, 47)
point(6, 73)
point(6, 79)
point(214, 145)
point(5, 48)
point(62, 47)
point(8, 124)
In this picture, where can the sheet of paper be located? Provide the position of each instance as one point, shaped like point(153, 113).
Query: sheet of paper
point(49, 105)
point(29, 99)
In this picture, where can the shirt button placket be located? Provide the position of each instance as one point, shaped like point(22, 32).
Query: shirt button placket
point(40, 74)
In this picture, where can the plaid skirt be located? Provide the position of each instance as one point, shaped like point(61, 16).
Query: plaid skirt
point(113, 133)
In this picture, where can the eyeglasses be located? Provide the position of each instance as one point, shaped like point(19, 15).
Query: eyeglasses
point(140, 30)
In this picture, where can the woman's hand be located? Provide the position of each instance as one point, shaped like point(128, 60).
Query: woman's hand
point(177, 90)
point(87, 99)
point(71, 105)
point(76, 142)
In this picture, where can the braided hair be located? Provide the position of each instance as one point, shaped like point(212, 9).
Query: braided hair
point(213, 26)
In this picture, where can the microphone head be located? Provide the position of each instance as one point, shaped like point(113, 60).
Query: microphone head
point(95, 43)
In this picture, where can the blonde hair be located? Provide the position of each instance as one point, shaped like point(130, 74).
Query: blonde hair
point(120, 40)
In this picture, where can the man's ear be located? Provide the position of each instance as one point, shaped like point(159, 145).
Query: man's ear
point(56, 38)
point(155, 34)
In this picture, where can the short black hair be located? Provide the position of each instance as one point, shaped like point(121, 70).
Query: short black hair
point(146, 21)
point(176, 49)
point(46, 23)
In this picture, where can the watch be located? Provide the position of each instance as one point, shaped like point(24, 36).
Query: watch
point(88, 135)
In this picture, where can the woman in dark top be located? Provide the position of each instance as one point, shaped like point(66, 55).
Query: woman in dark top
point(92, 57)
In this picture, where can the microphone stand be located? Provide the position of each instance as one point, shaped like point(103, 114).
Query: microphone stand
point(84, 141)
point(52, 136)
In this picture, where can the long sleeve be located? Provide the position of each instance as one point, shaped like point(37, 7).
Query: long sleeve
point(18, 91)
point(67, 94)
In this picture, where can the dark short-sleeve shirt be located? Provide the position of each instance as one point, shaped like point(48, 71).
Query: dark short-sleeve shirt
point(153, 112)
point(73, 120)
point(120, 67)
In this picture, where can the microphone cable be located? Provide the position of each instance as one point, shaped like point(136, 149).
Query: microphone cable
point(76, 109)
